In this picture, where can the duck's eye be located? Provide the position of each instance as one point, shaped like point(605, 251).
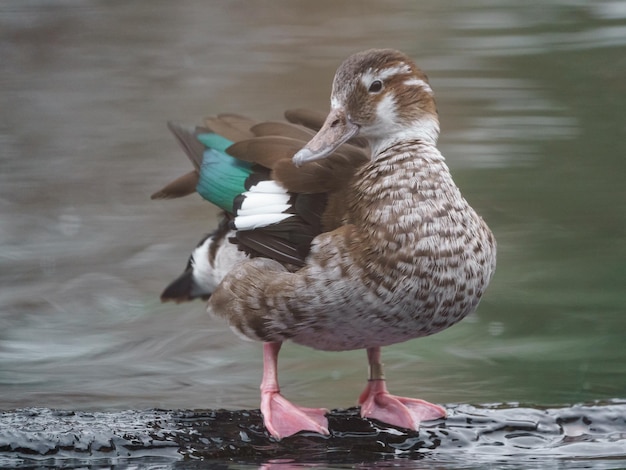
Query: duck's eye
point(376, 86)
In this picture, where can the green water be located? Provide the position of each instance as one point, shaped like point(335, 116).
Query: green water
point(532, 100)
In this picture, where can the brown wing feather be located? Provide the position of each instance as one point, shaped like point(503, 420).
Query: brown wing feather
point(265, 150)
point(306, 117)
point(357, 155)
point(283, 129)
point(335, 210)
point(186, 137)
point(185, 184)
point(181, 186)
point(231, 126)
point(325, 175)
point(314, 120)
point(243, 123)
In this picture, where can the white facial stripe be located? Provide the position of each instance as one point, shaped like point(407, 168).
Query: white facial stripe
point(386, 109)
point(368, 77)
point(401, 68)
point(420, 83)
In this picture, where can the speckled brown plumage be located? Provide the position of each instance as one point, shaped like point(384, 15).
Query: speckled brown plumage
point(410, 259)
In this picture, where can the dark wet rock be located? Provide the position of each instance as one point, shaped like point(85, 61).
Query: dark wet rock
point(590, 431)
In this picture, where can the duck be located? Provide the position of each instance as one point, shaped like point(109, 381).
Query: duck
point(339, 231)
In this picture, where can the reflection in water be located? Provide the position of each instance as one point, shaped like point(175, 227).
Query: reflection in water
point(529, 96)
point(513, 110)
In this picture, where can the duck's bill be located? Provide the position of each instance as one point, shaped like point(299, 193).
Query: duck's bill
point(336, 130)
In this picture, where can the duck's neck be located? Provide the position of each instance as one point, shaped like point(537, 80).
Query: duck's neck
point(424, 129)
point(396, 190)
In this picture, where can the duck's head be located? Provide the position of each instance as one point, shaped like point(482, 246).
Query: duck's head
point(379, 94)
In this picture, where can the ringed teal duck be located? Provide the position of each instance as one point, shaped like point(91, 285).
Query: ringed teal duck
point(351, 237)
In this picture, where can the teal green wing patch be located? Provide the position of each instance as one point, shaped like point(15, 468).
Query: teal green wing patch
point(222, 177)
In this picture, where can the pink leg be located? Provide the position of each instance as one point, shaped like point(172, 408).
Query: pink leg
point(377, 403)
point(281, 417)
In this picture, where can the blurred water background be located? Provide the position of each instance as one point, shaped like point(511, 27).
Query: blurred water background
point(532, 101)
